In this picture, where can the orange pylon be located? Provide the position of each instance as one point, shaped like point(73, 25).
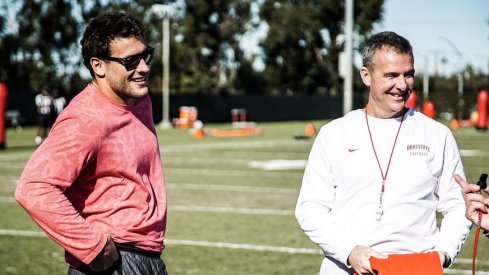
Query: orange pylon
point(454, 124)
point(198, 133)
point(310, 129)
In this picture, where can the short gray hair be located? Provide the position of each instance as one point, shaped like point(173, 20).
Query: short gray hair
point(389, 39)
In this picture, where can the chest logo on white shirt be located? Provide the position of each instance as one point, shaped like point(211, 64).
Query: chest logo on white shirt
point(418, 150)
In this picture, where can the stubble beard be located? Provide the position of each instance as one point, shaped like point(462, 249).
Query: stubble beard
point(128, 90)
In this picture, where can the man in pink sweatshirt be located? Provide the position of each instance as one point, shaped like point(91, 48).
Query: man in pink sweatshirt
point(95, 186)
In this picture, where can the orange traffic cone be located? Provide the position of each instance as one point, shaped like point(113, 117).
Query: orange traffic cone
point(310, 129)
point(198, 133)
point(454, 124)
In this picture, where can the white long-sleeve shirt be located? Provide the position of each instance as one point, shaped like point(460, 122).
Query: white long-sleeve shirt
point(341, 187)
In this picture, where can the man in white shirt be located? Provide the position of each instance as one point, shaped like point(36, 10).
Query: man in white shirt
point(44, 102)
point(376, 177)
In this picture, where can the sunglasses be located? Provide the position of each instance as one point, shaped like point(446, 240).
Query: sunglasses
point(132, 62)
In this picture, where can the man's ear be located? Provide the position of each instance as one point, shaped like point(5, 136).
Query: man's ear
point(98, 67)
point(366, 76)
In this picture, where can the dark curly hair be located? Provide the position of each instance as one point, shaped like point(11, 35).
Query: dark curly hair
point(105, 28)
point(389, 39)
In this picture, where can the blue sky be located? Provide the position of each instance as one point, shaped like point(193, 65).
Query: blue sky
point(437, 29)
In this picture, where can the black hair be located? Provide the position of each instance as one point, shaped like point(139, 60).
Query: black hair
point(104, 29)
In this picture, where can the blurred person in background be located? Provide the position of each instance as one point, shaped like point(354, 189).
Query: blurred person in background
point(95, 185)
point(376, 177)
point(44, 102)
point(59, 103)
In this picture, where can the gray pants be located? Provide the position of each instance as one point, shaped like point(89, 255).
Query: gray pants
point(129, 263)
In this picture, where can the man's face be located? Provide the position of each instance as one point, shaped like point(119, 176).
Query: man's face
point(125, 85)
point(389, 81)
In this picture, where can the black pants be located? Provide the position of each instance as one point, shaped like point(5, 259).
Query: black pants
point(131, 262)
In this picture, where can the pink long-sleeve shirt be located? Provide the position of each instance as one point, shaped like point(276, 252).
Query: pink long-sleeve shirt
point(98, 174)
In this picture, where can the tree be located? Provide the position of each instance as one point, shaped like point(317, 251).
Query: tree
point(304, 42)
point(300, 52)
point(207, 57)
point(7, 41)
point(45, 50)
point(43, 45)
point(444, 91)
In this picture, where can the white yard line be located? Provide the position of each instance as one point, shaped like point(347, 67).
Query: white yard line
point(15, 156)
point(198, 186)
point(226, 187)
point(231, 173)
point(472, 153)
point(24, 233)
point(9, 179)
point(208, 209)
point(280, 164)
point(224, 145)
point(244, 246)
point(265, 164)
point(12, 165)
point(213, 209)
point(7, 199)
point(189, 161)
point(267, 154)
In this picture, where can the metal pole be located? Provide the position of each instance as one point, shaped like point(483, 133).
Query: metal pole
point(460, 76)
point(426, 80)
point(348, 83)
point(461, 101)
point(165, 83)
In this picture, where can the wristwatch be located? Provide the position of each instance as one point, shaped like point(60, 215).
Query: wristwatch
point(448, 261)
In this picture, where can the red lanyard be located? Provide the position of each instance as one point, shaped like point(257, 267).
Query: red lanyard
point(476, 242)
point(380, 210)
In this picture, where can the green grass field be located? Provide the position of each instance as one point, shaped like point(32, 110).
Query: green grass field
point(226, 215)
